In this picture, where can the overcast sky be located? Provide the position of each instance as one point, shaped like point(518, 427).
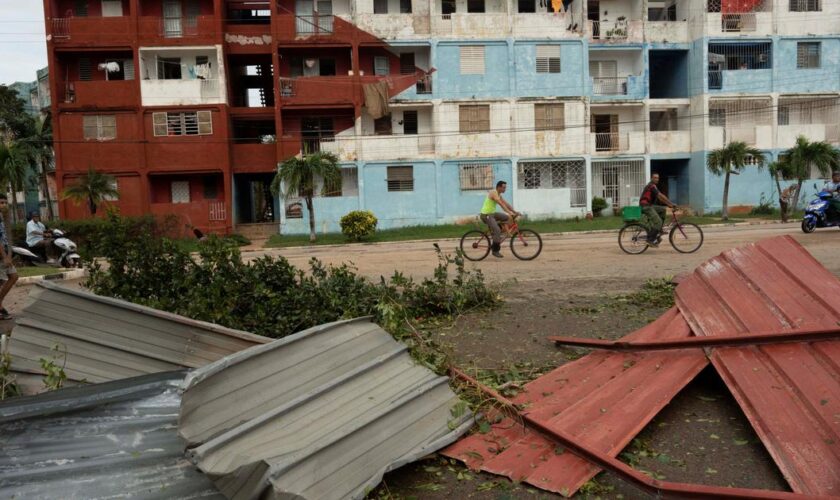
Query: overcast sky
point(23, 47)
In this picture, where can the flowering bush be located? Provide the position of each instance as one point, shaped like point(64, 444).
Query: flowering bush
point(358, 224)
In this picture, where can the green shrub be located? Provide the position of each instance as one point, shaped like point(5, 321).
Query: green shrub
point(764, 207)
point(358, 224)
point(238, 240)
point(598, 205)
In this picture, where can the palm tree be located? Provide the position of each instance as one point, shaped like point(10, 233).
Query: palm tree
point(13, 172)
point(804, 155)
point(299, 176)
point(780, 170)
point(39, 148)
point(93, 187)
point(732, 159)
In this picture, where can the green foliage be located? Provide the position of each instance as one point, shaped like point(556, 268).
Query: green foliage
point(300, 177)
point(764, 207)
point(54, 376)
point(598, 205)
point(238, 240)
point(654, 293)
point(358, 224)
point(732, 159)
point(271, 297)
point(8, 384)
point(92, 188)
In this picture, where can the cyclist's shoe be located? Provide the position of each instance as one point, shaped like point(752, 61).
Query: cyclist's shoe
point(498, 254)
point(654, 243)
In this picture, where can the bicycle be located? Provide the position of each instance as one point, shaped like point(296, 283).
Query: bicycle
point(685, 237)
point(525, 244)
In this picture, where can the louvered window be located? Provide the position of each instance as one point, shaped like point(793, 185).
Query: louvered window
point(475, 176)
point(474, 118)
point(85, 69)
point(548, 58)
point(808, 55)
point(549, 116)
point(400, 179)
point(100, 127)
point(186, 123)
point(472, 60)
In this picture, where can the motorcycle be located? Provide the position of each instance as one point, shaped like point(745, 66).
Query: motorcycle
point(68, 258)
point(815, 214)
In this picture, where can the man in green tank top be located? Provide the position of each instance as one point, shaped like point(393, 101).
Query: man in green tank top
point(492, 218)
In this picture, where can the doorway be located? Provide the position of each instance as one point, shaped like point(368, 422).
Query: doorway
point(255, 203)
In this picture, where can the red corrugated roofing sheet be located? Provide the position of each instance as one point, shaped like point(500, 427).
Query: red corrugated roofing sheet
point(604, 399)
point(789, 392)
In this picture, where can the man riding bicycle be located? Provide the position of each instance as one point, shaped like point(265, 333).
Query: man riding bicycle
point(492, 218)
point(651, 202)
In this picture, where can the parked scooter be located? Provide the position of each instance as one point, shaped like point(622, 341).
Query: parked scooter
point(68, 254)
point(815, 214)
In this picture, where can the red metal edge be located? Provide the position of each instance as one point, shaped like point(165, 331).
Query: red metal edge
point(814, 335)
point(661, 489)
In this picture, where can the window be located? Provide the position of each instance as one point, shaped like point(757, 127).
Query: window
point(784, 115)
point(382, 126)
point(472, 60)
point(112, 8)
point(85, 69)
point(475, 176)
point(179, 191)
point(750, 160)
point(327, 67)
point(447, 7)
point(805, 5)
point(808, 55)
point(526, 6)
point(407, 66)
point(186, 123)
point(405, 6)
point(474, 118)
point(381, 66)
point(349, 184)
point(80, 8)
point(169, 68)
point(116, 187)
point(410, 122)
point(211, 188)
point(548, 58)
point(717, 117)
point(475, 6)
point(400, 179)
point(380, 6)
point(548, 117)
point(100, 127)
point(125, 69)
point(663, 121)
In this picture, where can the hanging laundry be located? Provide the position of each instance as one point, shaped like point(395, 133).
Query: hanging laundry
point(376, 99)
point(202, 71)
point(110, 67)
point(555, 6)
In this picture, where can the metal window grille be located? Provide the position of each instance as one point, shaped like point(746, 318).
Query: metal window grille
point(549, 116)
point(808, 55)
point(620, 181)
point(738, 113)
point(740, 56)
point(349, 184)
point(717, 117)
point(475, 176)
point(564, 174)
point(185, 123)
point(472, 60)
point(180, 191)
point(805, 6)
point(100, 127)
point(548, 58)
point(809, 111)
point(400, 179)
point(474, 117)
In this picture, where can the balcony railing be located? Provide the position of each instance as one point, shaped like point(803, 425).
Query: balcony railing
point(61, 27)
point(613, 85)
point(736, 23)
point(314, 25)
point(609, 30)
point(288, 87)
point(715, 79)
point(424, 85)
point(217, 211)
point(611, 141)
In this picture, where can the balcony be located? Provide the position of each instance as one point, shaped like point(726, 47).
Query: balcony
point(546, 25)
point(667, 31)
point(756, 17)
point(182, 92)
point(467, 145)
point(389, 26)
point(194, 30)
point(99, 31)
point(611, 142)
point(301, 29)
point(471, 25)
point(670, 141)
point(540, 143)
point(619, 31)
point(612, 86)
point(102, 94)
point(254, 157)
point(318, 90)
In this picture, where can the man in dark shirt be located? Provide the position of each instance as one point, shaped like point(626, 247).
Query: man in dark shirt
point(651, 203)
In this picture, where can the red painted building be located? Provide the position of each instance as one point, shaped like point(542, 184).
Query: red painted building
point(191, 104)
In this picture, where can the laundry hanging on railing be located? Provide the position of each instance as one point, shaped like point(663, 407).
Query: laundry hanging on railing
point(376, 99)
point(110, 67)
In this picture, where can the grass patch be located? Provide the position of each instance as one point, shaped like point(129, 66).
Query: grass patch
point(457, 230)
point(25, 272)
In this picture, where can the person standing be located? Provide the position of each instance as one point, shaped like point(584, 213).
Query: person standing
point(8, 273)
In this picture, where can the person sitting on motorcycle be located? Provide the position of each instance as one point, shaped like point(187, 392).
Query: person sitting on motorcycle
point(651, 202)
point(833, 187)
point(38, 238)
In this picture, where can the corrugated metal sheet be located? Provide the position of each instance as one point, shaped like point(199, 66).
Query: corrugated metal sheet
point(603, 400)
point(789, 392)
point(112, 440)
point(109, 339)
point(322, 414)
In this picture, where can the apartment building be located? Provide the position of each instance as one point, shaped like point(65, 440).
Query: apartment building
point(191, 104)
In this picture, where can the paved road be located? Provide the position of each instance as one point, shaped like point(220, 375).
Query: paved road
point(581, 263)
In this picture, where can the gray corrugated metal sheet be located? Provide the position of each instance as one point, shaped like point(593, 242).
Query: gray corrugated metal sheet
point(109, 339)
point(322, 414)
point(117, 439)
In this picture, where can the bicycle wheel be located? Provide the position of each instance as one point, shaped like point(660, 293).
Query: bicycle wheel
point(633, 239)
point(686, 237)
point(526, 244)
point(475, 245)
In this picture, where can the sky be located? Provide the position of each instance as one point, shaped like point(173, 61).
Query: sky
point(23, 46)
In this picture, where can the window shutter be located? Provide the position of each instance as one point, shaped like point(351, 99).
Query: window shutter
point(400, 178)
point(159, 124)
point(410, 122)
point(548, 58)
point(472, 60)
point(205, 123)
point(407, 66)
point(89, 124)
point(107, 127)
point(483, 118)
point(85, 69)
point(128, 69)
point(380, 6)
point(80, 8)
point(381, 66)
point(549, 116)
point(474, 118)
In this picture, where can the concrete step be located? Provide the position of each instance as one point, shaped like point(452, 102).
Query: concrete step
point(260, 231)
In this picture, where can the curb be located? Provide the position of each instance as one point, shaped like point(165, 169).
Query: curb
point(545, 236)
point(66, 275)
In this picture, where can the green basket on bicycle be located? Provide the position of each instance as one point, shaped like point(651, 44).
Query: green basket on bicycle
point(631, 214)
